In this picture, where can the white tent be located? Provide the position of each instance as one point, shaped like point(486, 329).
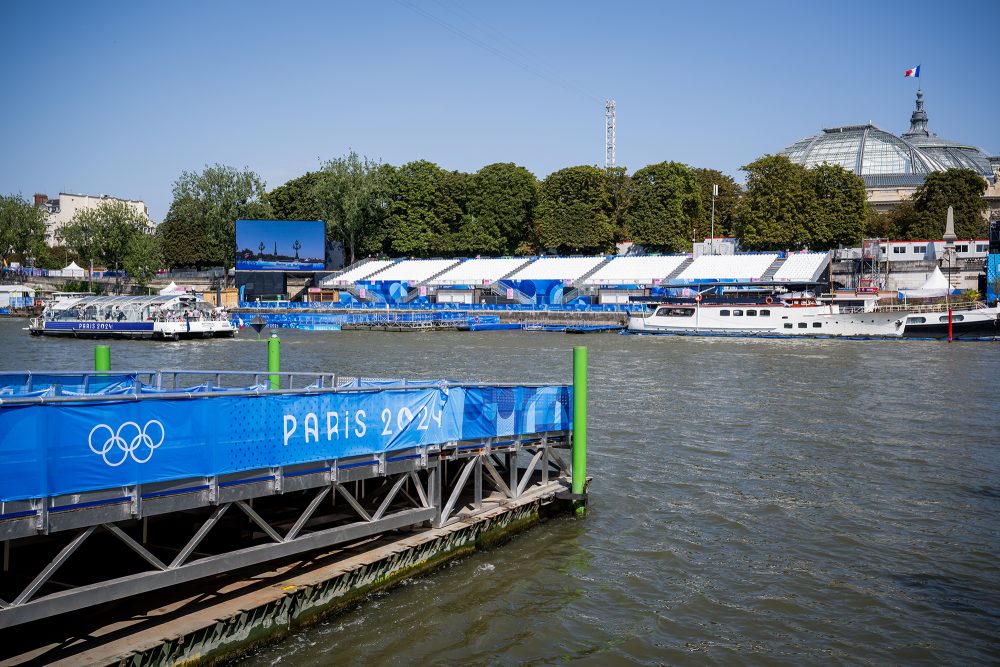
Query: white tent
point(72, 271)
point(172, 288)
point(936, 285)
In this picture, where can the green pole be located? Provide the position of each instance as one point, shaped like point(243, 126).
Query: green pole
point(274, 360)
point(102, 358)
point(579, 421)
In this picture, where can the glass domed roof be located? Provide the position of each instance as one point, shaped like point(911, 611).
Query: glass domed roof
point(881, 158)
point(950, 154)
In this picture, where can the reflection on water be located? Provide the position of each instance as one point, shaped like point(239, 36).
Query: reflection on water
point(755, 502)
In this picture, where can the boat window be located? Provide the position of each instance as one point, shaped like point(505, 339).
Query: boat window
point(751, 313)
point(724, 313)
point(917, 320)
point(954, 318)
point(765, 313)
point(666, 311)
point(803, 325)
point(817, 325)
point(788, 325)
point(737, 313)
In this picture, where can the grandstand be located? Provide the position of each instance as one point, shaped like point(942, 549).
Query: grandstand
point(802, 267)
point(413, 271)
point(479, 271)
point(635, 270)
point(558, 268)
point(727, 268)
point(357, 272)
point(573, 282)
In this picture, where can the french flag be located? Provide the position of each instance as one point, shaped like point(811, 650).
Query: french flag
point(913, 72)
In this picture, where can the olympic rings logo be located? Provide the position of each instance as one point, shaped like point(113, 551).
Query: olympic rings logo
point(128, 439)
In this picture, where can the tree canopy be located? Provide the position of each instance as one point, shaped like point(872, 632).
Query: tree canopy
point(840, 207)
point(295, 199)
point(351, 194)
point(787, 206)
point(665, 206)
point(22, 228)
point(726, 203)
point(502, 198)
point(423, 211)
point(117, 236)
point(203, 213)
point(574, 211)
point(960, 188)
point(776, 206)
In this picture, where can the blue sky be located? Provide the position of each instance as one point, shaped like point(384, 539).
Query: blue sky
point(120, 97)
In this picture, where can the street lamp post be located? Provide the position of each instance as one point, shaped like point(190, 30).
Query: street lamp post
point(715, 193)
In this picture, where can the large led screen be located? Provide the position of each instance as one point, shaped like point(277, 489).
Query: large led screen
point(280, 245)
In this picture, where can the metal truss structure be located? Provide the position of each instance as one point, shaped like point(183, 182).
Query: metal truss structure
point(69, 553)
point(609, 134)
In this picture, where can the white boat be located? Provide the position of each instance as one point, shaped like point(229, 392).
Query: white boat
point(968, 321)
point(789, 317)
point(166, 317)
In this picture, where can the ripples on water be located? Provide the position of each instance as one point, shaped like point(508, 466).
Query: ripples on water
point(755, 502)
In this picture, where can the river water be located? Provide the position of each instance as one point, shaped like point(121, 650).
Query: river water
point(760, 502)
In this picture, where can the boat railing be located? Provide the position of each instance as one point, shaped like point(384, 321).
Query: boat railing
point(932, 307)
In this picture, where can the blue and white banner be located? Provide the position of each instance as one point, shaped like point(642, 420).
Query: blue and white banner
point(73, 325)
point(60, 448)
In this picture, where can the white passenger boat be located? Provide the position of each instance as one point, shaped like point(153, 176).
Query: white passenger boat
point(166, 317)
point(968, 321)
point(789, 317)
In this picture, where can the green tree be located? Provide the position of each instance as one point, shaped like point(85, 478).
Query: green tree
point(213, 201)
point(726, 203)
point(960, 188)
point(841, 207)
point(22, 228)
point(142, 258)
point(620, 191)
point(574, 211)
point(501, 202)
point(351, 194)
point(665, 206)
point(778, 201)
point(295, 200)
point(183, 243)
point(56, 257)
point(422, 213)
point(107, 234)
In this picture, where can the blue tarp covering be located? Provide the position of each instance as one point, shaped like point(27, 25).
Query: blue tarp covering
point(17, 383)
point(60, 448)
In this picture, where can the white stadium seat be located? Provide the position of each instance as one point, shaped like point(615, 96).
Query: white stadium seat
point(558, 268)
point(478, 271)
point(728, 267)
point(414, 270)
point(636, 270)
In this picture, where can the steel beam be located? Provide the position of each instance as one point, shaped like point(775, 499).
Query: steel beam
point(86, 596)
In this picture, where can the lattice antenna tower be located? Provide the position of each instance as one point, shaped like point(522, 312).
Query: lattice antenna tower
point(609, 134)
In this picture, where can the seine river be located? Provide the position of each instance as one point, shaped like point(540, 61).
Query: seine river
point(761, 502)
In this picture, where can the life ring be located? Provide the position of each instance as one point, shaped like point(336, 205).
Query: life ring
point(769, 301)
point(697, 298)
point(475, 319)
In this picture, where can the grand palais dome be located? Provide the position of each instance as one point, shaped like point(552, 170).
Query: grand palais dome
point(885, 160)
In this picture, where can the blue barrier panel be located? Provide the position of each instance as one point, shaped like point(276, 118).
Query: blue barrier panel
point(51, 449)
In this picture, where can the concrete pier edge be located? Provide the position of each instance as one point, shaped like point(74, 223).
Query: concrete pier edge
point(294, 601)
